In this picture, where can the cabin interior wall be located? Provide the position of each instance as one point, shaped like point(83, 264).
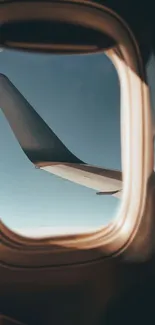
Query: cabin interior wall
point(97, 294)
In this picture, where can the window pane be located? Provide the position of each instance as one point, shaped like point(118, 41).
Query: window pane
point(79, 98)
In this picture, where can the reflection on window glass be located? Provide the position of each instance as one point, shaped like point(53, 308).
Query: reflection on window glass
point(79, 99)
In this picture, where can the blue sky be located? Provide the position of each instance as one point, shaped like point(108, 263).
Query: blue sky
point(79, 98)
point(150, 76)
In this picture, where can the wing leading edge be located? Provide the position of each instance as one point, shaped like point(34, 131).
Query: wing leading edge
point(46, 151)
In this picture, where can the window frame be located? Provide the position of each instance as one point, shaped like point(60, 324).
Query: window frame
point(137, 146)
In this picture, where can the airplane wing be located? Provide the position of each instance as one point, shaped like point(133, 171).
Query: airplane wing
point(45, 150)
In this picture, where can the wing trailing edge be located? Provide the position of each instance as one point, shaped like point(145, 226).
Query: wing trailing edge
point(45, 150)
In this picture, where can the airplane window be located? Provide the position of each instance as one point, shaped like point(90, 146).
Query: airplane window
point(60, 163)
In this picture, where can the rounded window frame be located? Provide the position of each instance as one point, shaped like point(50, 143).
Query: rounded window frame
point(18, 251)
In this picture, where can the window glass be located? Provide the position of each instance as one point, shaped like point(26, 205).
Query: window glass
point(79, 98)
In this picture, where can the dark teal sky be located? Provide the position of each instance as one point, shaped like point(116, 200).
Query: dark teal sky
point(79, 98)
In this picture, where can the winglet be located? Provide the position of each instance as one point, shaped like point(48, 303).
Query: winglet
point(37, 140)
